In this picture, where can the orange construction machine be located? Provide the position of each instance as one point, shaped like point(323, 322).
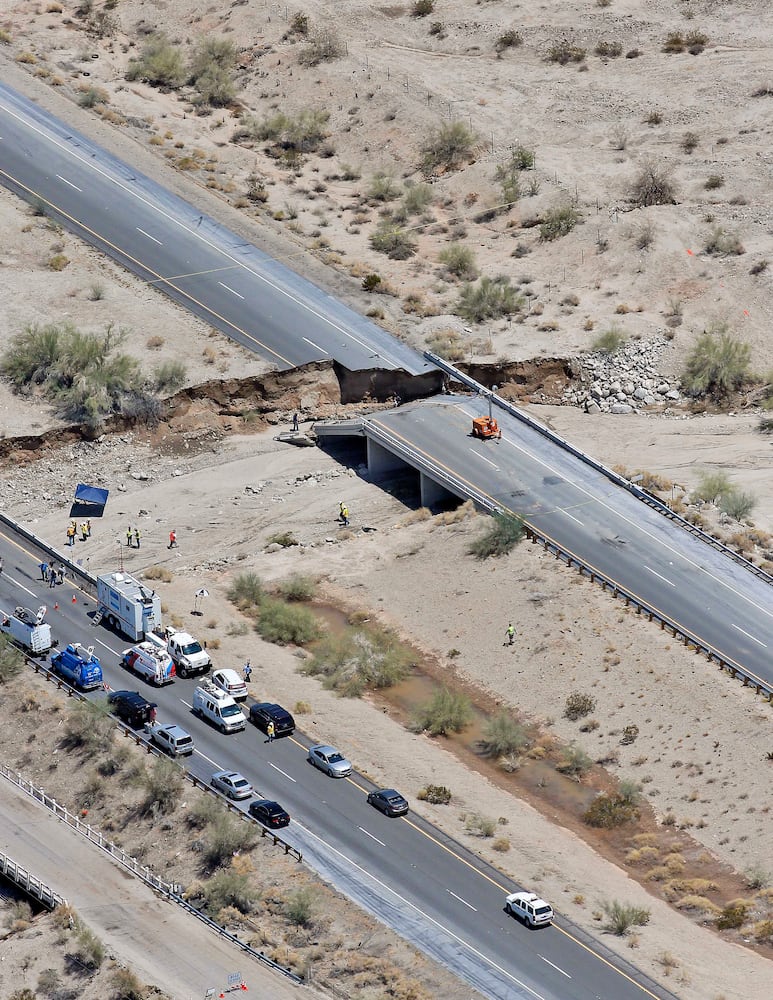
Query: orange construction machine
point(485, 428)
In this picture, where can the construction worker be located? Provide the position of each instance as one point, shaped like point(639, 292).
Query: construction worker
point(345, 516)
point(88, 527)
point(137, 536)
point(129, 537)
point(84, 532)
point(510, 634)
point(270, 731)
point(341, 509)
point(71, 534)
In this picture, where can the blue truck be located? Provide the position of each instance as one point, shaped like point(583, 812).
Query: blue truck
point(78, 666)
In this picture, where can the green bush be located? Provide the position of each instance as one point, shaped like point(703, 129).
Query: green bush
point(717, 365)
point(286, 624)
point(11, 661)
point(503, 735)
point(371, 282)
point(324, 46)
point(446, 343)
point(564, 52)
point(609, 810)
point(360, 659)
point(90, 97)
point(448, 147)
point(712, 486)
point(490, 298)
point(228, 887)
point(392, 240)
point(733, 915)
point(609, 341)
point(89, 949)
point(480, 826)
point(722, 243)
point(417, 198)
point(621, 917)
point(298, 588)
point(126, 986)
point(299, 908)
point(159, 64)
point(610, 50)
point(738, 504)
point(499, 538)
point(652, 186)
point(224, 837)
point(437, 795)
point(89, 728)
point(510, 39)
point(578, 705)
point(212, 67)
point(169, 375)
point(383, 188)
point(163, 785)
point(558, 222)
point(459, 261)
point(574, 761)
point(422, 8)
point(447, 712)
point(246, 591)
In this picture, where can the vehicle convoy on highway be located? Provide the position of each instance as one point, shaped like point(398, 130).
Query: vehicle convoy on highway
point(170, 738)
point(189, 656)
point(78, 666)
point(232, 784)
point(131, 707)
point(151, 662)
point(329, 760)
point(28, 629)
point(388, 801)
point(269, 813)
point(263, 712)
point(127, 606)
point(230, 682)
point(528, 906)
point(214, 705)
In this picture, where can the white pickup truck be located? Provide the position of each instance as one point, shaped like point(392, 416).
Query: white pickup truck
point(189, 656)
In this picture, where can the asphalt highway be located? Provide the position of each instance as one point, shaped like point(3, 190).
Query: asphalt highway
point(430, 889)
point(650, 556)
point(233, 285)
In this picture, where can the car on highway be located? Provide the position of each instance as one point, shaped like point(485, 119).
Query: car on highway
point(232, 784)
point(329, 760)
point(388, 801)
point(230, 682)
point(264, 712)
point(269, 813)
point(528, 906)
point(172, 739)
point(131, 707)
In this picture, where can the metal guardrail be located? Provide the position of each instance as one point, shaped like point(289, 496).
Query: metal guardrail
point(29, 884)
point(641, 494)
point(130, 864)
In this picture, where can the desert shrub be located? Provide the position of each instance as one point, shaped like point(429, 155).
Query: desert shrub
point(717, 365)
point(574, 761)
point(502, 534)
point(11, 661)
point(417, 198)
point(169, 375)
point(422, 8)
point(298, 588)
point(759, 268)
point(211, 70)
point(160, 64)
point(447, 343)
point(225, 836)
point(49, 982)
point(448, 147)
point(714, 181)
point(286, 624)
point(158, 573)
point(446, 712)
point(229, 887)
point(246, 591)
point(712, 486)
point(674, 42)
point(88, 727)
point(89, 949)
point(503, 735)
point(371, 282)
point(324, 46)
point(722, 243)
point(558, 222)
point(437, 795)
point(89, 97)
point(733, 915)
point(490, 298)
point(383, 188)
point(360, 659)
point(757, 877)
point(480, 826)
point(610, 50)
point(284, 538)
point(609, 810)
point(622, 916)
point(58, 262)
point(126, 985)
point(510, 39)
point(763, 931)
point(737, 504)
point(299, 908)
point(578, 705)
point(163, 785)
point(652, 186)
point(459, 260)
point(609, 341)
point(391, 239)
point(564, 52)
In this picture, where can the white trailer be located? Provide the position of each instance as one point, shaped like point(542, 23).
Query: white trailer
point(28, 629)
point(127, 606)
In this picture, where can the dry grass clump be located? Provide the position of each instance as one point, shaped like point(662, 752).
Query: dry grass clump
point(158, 573)
point(416, 516)
point(456, 516)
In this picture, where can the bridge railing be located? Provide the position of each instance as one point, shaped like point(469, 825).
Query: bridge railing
point(29, 883)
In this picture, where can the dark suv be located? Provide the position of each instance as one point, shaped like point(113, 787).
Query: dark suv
point(264, 712)
point(131, 707)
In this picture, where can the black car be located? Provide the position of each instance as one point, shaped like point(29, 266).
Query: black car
point(131, 707)
point(264, 712)
point(269, 813)
point(389, 801)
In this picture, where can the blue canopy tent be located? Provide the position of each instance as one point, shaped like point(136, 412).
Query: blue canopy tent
point(86, 499)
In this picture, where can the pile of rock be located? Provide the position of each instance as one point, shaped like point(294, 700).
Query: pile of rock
point(623, 382)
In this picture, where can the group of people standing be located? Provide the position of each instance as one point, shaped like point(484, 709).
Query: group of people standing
point(133, 537)
point(51, 573)
point(73, 528)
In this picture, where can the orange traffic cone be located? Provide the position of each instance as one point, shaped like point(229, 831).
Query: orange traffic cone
point(56, 607)
point(74, 599)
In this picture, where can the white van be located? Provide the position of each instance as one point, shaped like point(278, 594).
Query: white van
point(210, 702)
point(148, 660)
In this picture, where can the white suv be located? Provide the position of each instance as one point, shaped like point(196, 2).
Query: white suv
point(534, 912)
point(230, 682)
